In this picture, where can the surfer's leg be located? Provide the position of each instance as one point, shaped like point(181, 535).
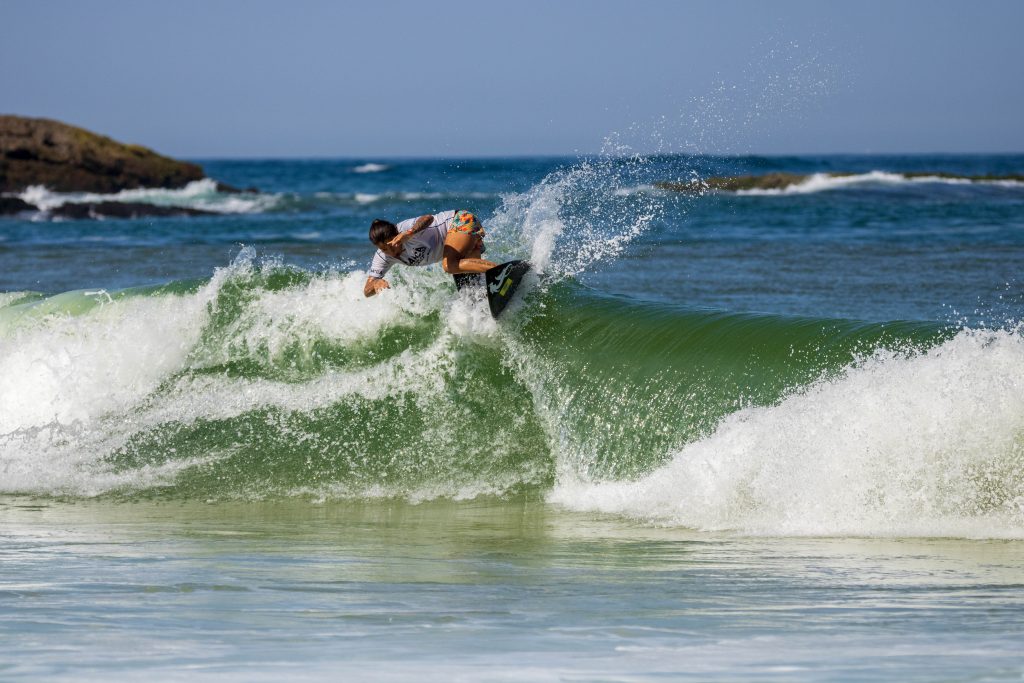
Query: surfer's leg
point(463, 246)
point(462, 255)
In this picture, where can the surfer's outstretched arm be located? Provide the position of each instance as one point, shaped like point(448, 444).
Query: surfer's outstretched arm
point(374, 285)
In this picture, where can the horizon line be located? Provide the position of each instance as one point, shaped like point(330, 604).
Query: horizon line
point(578, 155)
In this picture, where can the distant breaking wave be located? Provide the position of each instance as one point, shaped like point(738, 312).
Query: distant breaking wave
point(203, 195)
point(199, 194)
point(771, 184)
point(823, 182)
point(370, 168)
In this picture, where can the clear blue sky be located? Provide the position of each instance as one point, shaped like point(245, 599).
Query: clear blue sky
point(378, 78)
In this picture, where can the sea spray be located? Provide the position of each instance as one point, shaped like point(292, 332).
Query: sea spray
point(581, 215)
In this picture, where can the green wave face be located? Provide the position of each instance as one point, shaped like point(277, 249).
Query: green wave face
point(630, 382)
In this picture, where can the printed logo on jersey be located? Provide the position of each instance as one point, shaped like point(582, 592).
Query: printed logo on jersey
point(417, 255)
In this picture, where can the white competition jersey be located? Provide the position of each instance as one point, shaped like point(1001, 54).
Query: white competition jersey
point(422, 249)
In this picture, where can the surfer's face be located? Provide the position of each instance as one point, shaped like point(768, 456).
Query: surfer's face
point(388, 249)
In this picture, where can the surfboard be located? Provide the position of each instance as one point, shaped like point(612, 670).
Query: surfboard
point(500, 283)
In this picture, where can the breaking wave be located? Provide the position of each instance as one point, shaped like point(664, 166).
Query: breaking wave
point(268, 380)
point(199, 194)
point(370, 168)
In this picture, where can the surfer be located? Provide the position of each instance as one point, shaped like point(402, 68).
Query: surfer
point(455, 238)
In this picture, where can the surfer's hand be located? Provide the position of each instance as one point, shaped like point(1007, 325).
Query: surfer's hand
point(399, 239)
point(374, 285)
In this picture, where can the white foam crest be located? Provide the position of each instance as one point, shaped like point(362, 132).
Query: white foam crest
point(1004, 182)
point(415, 196)
point(65, 369)
point(370, 168)
point(927, 445)
point(70, 384)
point(823, 182)
point(331, 307)
point(198, 194)
point(75, 369)
point(214, 397)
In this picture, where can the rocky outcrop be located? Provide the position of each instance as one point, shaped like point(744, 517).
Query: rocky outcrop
point(69, 159)
point(65, 158)
point(83, 210)
point(231, 189)
point(13, 205)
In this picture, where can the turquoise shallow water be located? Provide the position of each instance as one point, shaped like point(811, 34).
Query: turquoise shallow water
point(486, 590)
point(773, 436)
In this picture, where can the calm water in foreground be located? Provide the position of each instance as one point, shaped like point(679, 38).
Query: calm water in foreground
point(486, 590)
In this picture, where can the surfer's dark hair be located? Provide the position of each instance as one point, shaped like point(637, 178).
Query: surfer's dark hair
point(382, 231)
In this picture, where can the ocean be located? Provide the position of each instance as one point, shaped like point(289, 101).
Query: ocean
point(765, 434)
